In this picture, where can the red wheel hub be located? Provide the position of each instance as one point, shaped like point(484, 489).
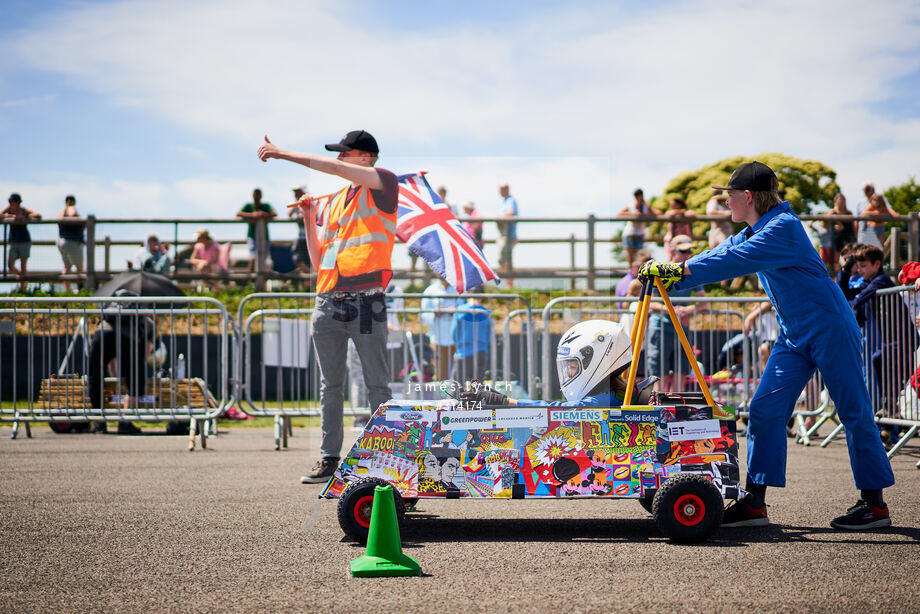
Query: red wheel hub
point(689, 510)
point(362, 511)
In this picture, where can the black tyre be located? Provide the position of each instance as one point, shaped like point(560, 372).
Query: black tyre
point(688, 508)
point(647, 501)
point(355, 506)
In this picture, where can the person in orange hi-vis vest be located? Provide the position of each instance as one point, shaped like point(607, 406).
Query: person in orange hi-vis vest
point(352, 260)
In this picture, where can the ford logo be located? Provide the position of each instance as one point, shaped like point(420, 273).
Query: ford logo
point(410, 416)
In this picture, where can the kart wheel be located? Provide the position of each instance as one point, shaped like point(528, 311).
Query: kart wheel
point(688, 508)
point(646, 502)
point(355, 506)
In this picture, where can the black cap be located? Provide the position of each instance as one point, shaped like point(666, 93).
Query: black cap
point(356, 139)
point(753, 176)
point(16, 197)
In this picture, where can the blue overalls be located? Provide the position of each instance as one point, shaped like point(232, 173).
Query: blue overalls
point(817, 330)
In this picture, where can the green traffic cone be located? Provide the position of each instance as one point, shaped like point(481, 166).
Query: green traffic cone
point(384, 555)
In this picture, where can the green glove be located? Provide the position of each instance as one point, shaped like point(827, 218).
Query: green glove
point(669, 272)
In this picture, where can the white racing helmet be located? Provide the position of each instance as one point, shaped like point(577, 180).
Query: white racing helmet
point(588, 353)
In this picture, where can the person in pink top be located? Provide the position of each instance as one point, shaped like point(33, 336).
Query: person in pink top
point(474, 228)
point(206, 254)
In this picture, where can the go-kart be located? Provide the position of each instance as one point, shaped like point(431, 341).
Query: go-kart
point(678, 455)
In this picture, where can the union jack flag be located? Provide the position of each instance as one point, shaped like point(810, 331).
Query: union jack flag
point(427, 226)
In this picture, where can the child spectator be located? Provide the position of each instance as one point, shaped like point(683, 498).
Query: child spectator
point(627, 320)
point(70, 239)
point(20, 240)
point(471, 331)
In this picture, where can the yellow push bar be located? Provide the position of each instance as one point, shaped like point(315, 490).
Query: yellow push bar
point(638, 334)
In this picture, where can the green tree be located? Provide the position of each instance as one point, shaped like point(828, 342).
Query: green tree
point(806, 183)
point(904, 198)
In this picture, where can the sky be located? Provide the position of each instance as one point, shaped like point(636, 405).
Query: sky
point(156, 108)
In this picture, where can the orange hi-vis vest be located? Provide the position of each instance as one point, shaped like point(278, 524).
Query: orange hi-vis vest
point(357, 242)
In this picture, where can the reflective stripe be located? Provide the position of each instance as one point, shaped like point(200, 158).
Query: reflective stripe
point(372, 237)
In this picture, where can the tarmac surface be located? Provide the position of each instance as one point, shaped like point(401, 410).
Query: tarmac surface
point(139, 524)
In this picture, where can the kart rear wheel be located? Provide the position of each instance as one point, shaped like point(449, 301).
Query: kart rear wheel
point(355, 506)
point(688, 508)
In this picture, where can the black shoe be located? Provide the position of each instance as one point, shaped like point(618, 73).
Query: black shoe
point(99, 427)
point(742, 514)
point(863, 516)
point(322, 471)
point(126, 428)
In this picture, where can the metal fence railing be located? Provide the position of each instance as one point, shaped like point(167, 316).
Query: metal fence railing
point(84, 361)
point(53, 368)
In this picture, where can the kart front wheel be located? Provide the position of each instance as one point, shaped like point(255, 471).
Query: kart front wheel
point(355, 507)
point(688, 508)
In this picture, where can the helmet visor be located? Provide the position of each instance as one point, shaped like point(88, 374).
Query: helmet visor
point(569, 369)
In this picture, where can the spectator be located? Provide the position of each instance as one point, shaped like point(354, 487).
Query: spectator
point(872, 232)
point(719, 230)
point(299, 252)
point(439, 318)
point(206, 255)
point(121, 344)
point(679, 217)
point(473, 227)
point(817, 331)
point(442, 192)
point(471, 331)
point(869, 192)
point(846, 254)
point(634, 232)
point(70, 239)
point(154, 256)
point(256, 210)
point(666, 357)
point(353, 263)
point(20, 241)
point(842, 232)
point(508, 231)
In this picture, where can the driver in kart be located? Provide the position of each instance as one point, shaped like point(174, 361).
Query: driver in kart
point(591, 360)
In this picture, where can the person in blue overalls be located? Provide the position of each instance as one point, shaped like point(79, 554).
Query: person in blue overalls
point(774, 245)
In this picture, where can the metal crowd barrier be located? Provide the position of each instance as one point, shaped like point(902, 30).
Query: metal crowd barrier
point(92, 360)
point(891, 362)
point(276, 373)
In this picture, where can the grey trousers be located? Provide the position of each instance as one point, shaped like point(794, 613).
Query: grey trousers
point(364, 321)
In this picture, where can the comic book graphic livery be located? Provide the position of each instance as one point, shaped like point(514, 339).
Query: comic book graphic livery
point(679, 461)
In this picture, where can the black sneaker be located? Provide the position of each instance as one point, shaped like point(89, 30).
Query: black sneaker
point(322, 471)
point(742, 514)
point(863, 516)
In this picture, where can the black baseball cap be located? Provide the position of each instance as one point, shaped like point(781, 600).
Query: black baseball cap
point(16, 197)
point(754, 176)
point(356, 139)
